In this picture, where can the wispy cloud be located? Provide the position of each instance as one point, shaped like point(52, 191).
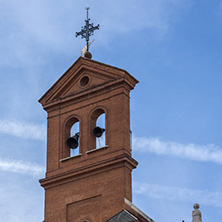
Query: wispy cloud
point(23, 130)
point(130, 15)
point(18, 166)
point(154, 191)
point(209, 152)
point(30, 30)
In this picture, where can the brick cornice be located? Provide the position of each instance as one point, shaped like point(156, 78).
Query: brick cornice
point(89, 93)
point(123, 160)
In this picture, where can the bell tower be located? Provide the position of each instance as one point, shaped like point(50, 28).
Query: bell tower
point(94, 183)
point(89, 165)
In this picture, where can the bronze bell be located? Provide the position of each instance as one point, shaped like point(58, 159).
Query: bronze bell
point(73, 142)
point(98, 131)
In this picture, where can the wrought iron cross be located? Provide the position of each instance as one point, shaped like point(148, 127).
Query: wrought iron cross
point(87, 30)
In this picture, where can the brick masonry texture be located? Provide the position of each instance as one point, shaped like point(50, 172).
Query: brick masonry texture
point(91, 186)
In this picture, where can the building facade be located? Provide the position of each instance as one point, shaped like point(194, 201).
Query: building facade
point(94, 184)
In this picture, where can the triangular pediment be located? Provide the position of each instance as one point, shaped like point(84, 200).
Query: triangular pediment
point(84, 79)
point(84, 75)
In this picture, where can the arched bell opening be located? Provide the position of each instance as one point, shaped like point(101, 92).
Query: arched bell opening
point(72, 138)
point(73, 143)
point(98, 129)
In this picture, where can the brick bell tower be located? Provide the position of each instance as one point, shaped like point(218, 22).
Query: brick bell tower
point(92, 184)
point(86, 181)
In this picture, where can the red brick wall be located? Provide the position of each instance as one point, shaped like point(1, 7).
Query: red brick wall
point(91, 186)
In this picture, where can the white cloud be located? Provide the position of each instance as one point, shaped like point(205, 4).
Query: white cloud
point(120, 17)
point(18, 166)
point(154, 191)
point(208, 152)
point(37, 25)
point(23, 130)
point(134, 15)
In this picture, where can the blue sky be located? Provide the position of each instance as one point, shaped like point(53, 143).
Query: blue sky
point(173, 47)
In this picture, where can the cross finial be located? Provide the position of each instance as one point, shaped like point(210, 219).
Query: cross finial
point(87, 30)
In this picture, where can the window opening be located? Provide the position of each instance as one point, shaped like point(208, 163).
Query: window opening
point(84, 81)
point(74, 139)
point(100, 125)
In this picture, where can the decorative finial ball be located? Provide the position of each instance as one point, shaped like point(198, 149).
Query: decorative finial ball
point(196, 206)
point(88, 55)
